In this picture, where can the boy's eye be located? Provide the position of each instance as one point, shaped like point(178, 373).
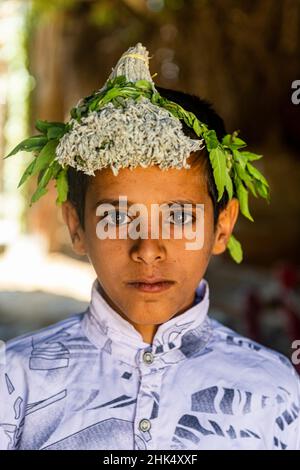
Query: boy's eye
point(119, 218)
point(180, 217)
point(116, 218)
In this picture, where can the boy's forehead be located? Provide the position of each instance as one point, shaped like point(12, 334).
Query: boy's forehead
point(151, 183)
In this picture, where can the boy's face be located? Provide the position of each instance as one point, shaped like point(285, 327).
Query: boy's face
point(118, 261)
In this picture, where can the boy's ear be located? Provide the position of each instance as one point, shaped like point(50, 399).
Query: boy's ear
point(77, 235)
point(226, 222)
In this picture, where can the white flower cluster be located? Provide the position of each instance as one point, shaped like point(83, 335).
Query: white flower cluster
point(137, 134)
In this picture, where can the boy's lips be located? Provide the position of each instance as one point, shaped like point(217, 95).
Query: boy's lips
point(150, 280)
point(151, 284)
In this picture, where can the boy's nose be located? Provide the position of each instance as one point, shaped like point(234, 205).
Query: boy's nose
point(148, 250)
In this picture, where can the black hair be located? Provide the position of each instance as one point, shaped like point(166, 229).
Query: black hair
point(203, 110)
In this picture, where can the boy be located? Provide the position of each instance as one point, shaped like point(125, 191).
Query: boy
point(145, 367)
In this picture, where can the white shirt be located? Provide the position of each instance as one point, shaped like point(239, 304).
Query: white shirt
point(91, 382)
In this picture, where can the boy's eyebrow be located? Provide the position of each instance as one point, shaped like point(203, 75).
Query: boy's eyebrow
point(116, 202)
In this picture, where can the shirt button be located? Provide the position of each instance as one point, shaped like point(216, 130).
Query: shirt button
point(148, 357)
point(145, 425)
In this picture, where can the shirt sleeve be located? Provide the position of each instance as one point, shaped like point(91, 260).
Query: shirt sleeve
point(11, 403)
point(287, 419)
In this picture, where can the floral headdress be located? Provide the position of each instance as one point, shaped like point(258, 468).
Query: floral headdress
point(126, 124)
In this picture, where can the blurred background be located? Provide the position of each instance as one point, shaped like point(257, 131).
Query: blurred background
point(242, 55)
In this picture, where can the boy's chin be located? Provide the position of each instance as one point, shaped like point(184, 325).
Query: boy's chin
point(154, 317)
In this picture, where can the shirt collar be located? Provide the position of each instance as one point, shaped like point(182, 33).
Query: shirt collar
point(181, 337)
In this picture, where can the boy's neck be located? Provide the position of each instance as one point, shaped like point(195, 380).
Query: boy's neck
point(146, 331)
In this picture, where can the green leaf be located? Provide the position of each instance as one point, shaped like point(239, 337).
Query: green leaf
point(233, 142)
point(55, 132)
point(45, 157)
point(92, 106)
point(239, 157)
point(157, 99)
point(110, 95)
point(41, 174)
point(118, 81)
point(228, 185)
point(211, 140)
point(239, 143)
point(197, 127)
point(62, 186)
point(250, 155)
point(226, 140)
point(235, 249)
point(218, 161)
point(44, 177)
point(245, 177)
point(43, 126)
point(37, 195)
point(189, 118)
point(263, 190)
point(242, 194)
point(54, 168)
point(27, 173)
point(32, 143)
point(109, 84)
point(73, 113)
point(143, 84)
point(41, 188)
point(257, 174)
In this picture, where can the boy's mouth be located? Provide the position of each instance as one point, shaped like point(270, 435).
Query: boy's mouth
point(151, 284)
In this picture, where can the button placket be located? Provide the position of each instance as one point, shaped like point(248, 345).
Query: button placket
point(148, 357)
point(145, 425)
point(150, 381)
